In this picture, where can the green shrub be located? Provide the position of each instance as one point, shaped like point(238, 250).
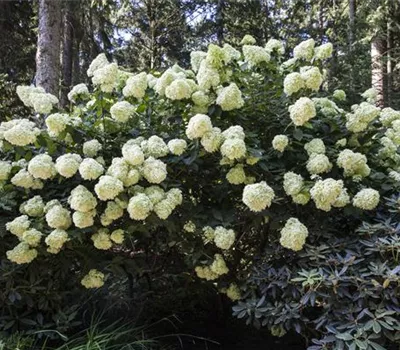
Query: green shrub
point(195, 172)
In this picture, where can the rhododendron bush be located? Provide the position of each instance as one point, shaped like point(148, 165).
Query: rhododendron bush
point(242, 152)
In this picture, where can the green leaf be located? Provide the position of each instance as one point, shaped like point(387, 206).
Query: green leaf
point(298, 134)
point(376, 346)
point(376, 327)
point(344, 336)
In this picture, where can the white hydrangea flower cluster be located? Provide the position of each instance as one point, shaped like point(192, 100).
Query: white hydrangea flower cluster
point(366, 199)
point(32, 237)
point(394, 175)
point(236, 175)
point(91, 148)
point(293, 185)
point(154, 198)
point(389, 148)
point(102, 239)
point(339, 95)
point(254, 55)
point(106, 77)
point(177, 146)
point(154, 170)
point(136, 86)
point(19, 132)
point(304, 50)
point(56, 240)
point(258, 196)
point(248, 40)
point(132, 153)
point(275, 45)
point(67, 165)
point(24, 93)
point(122, 111)
point(155, 147)
point(201, 102)
point(36, 98)
point(293, 235)
point(58, 217)
point(371, 95)
point(293, 83)
point(180, 89)
point(18, 226)
point(24, 179)
point(312, 78)
point(327, 107)
point(362, 115)
point(196, 57)
point(94, 279)
point(230, 98)
point(224, 238)
point(114, 210)
point(123, 171)
point(78, 91)
point(207, 76)
point(230, 53)
point(309, 77)
point(326, 193)
point(90, 169)
point(108, 187)
point(233, 292)
point(323, 52)
point(388, 116)
point(56, 123)
point(315, 146)
point(33, 207)
point(217, 57)
point(233, 146)
point(84, 203)
point(118, 236)
point(353, 163)
point(42, 167)
point(5, 169)
point(302, 111)
point(318, 164)
point(22, 253)
point(280, 142)
point(212, 272)
point(189, 226)
point(198, 125)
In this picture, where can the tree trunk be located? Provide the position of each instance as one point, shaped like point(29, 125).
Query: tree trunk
point(389, 70)
point(76, 64)
point(48, 46)
point(76, 50)
point(265, 10)
point(377, 69)
point(352, 13)
point(220, 21)
point(67, 53)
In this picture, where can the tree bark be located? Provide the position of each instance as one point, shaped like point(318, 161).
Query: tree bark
point(265, 8)
point(67, 53)
point(220, 21)
point(352, 14)
point(48, 46)
point(377, 69)
point(389, 68)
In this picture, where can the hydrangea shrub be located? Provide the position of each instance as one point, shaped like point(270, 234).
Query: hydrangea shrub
point(241, 152)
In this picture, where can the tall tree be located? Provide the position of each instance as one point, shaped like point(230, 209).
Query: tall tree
point(48, 46)
point(67, 53)
point(377, 68)
point(220, 21)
